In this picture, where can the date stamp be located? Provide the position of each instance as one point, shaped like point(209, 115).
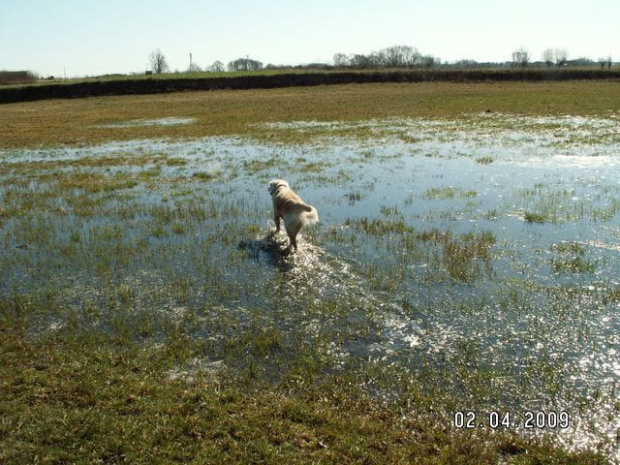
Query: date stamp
point(526, 420)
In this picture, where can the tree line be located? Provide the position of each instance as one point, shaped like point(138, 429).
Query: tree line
point(159, 64)
point(557, 57)
point(398, 56)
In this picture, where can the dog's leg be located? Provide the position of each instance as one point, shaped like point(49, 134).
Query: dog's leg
point(276, 219)
point(292, 234)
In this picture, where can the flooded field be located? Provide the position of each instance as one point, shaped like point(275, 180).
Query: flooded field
point(475, 260)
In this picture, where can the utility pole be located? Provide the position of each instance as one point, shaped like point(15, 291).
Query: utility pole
point(191, 65)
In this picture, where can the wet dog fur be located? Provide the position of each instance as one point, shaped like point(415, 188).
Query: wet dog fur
point(291, 208)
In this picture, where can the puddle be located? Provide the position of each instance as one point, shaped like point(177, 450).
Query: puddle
point(465, 252)
point(170, 121)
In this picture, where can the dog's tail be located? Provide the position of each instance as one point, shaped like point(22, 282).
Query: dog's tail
point(310, 215)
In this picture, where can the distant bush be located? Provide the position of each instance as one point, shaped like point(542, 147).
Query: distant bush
point(245, 64)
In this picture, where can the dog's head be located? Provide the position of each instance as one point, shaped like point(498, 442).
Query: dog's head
point(276, 185)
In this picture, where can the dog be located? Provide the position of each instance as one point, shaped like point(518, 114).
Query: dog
point(289, 206)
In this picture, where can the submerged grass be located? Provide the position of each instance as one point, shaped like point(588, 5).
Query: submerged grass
point(379, 227)
point(465, 258)
point(446, 193)
point(571, 258)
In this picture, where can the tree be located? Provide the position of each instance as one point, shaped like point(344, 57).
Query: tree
point(605, 61)
point(194, 68)
point(548, 57)
point(158, 62)
point(244, 64)
point(521, 57)
point(360, 61)
point(400, 56)
point(341, 60)
point(429, 61)
point(217, 67)
point(561, 56)
point(557, 56)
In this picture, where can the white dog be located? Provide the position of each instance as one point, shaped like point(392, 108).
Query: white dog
point(289, 206)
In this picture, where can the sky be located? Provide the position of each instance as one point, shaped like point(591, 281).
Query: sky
point(76, 38)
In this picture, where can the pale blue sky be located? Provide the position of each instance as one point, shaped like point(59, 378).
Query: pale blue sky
point(88, 37)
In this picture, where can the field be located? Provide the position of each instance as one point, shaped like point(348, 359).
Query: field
point(458, 302)
point(272, 79)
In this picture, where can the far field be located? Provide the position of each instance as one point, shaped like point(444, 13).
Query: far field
point(76, 122)
point(458, 302)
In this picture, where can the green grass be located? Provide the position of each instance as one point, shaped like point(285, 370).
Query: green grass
point(446, 193)
point(79, 122)
point(379, 226)
point(87, 399)
point(464, 258)
point(571, 258)
point(572, 265)
point(533, 217)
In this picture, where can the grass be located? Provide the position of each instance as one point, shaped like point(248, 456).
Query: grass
point(465, 259)
point(87, 399)
point(446, 193)
point(134, 329)
point(571, 259)
point(379, 226)
point(79, 122)
point(572, 265)
point(533, 217)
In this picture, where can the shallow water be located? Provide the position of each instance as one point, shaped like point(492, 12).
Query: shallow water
point(478, 256)
point(171, 121)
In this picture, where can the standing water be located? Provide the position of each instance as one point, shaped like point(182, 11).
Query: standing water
point(477, 259)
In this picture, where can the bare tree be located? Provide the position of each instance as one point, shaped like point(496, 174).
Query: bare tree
point(557, 56)
point(158, 62)
point(428, 61)
point(217, 67)
point(392, 57)
point(548, 57)
point(605, 62)
point(376, 60)
point(194, 68)
point(360, 61)
point(561, 56)
point(399, 56)
point(521, 57)
point(341, 60)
